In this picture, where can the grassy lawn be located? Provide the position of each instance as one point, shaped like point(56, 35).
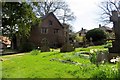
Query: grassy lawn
point(43, 65)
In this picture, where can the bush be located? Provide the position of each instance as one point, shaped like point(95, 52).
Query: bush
point(108, 45)
point(99, 42)
point(97, 35)
point(34, 52)
point(67, 48)
point(93, 58)
point(26, 46)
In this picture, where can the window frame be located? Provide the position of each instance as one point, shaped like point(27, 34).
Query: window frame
point(56, 31)
point(44, 30)
point(50, 23)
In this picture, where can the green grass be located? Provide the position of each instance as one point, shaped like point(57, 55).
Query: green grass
point(41, 66)
point(91, 47)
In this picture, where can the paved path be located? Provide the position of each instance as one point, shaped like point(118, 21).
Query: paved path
point(8, 57)
point(2, 53)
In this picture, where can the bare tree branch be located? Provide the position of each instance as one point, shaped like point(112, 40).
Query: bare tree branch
point(50, 6)
point(107, 7)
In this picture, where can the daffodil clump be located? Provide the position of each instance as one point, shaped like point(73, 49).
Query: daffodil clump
point(114, 60)
point(93, 55)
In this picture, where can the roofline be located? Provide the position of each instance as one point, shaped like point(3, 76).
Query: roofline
point(51, 13)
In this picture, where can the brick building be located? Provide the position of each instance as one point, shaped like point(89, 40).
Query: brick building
point(49, 31)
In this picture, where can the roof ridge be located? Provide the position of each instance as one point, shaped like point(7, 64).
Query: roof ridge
point(51, 13)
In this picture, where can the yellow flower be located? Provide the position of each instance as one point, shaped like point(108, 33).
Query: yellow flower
point(91, 51)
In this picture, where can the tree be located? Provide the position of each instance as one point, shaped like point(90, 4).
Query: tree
point(17, 18)
point(66, 14)
point(96, 34)
point(60, 8)
point(107, 7)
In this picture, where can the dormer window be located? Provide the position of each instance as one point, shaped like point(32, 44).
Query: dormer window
point(50, 22)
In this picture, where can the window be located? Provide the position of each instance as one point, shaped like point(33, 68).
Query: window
point(50, 22)
point(79, 34)
point(44, 30)
point(56, 31)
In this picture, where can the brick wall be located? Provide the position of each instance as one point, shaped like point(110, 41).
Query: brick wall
point(49, 29)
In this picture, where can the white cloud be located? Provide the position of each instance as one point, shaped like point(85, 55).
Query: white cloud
point(86, 12)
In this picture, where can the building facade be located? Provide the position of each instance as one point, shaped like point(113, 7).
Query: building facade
point(49, 32)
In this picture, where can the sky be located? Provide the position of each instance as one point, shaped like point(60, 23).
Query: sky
point(87, 14)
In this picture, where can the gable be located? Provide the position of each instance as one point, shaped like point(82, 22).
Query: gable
point(51, 20)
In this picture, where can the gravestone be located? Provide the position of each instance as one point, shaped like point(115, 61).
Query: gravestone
point(91, 42)
point(45, 47)
point(67, 47)
point(115, 18)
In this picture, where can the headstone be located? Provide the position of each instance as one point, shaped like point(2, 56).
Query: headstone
point(116, 25)
point(45, 47)
point(101, 57)
point(91, 42)
point(67, 47)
